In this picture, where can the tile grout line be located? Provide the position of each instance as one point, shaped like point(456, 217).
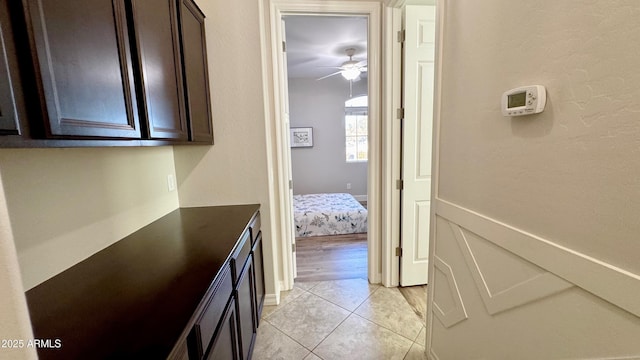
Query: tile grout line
point(356, 309)
point(362, 302)
point(384, 327)
point(309, 291)
point(290, 338)
point(376, 324)
point(324, 338)
point(351, 312)
point(281, 305)
point(329, 334)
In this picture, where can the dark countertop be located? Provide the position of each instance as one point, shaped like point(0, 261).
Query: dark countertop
point(134, 298)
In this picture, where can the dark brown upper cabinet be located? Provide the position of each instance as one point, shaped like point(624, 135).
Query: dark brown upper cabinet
point(84, 65)
point(196, 74)
point(103, 73)
point(8, 112)
point(160, 67)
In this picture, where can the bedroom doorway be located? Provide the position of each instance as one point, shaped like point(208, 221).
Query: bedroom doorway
point(278, 135)
point(327, 83)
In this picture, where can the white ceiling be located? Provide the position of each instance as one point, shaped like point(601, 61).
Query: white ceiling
point(316, 42)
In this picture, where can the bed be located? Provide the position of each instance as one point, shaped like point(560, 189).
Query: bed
point(328, 214)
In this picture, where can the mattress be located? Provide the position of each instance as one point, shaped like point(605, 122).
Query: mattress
point(328, 214)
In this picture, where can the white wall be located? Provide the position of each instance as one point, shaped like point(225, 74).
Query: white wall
point(537, 217)
point(67, 204)
point(323, 168)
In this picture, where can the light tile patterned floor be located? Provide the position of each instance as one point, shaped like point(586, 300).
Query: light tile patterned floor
point(340, 319)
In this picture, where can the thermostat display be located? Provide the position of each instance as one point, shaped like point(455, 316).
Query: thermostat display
point(517, 100)
point(525, 100)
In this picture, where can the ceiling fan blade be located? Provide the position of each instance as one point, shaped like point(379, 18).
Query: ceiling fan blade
point(362, 63)
point(324, 77)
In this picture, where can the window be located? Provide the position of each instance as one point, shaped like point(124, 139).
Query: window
point(355, 129)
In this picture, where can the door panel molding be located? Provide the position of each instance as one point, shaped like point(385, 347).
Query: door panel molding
point(455, 312)
point(424, 134)
point(611, 283)
point(524, 291)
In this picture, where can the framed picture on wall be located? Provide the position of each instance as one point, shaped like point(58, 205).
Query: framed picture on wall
point(301, 137)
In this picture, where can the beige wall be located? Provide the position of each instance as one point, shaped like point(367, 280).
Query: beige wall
point(553, 195)
point(234, 170)
point(579, 157)
point(67, 204)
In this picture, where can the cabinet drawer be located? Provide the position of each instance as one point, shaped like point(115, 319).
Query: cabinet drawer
point(240, 255)
point(206, 325)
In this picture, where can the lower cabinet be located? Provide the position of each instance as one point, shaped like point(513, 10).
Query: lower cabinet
point(245, 297)
point(258, 271)
point(225, 345)
point(226, 327)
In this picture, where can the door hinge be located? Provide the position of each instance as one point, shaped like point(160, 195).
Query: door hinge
point(290, 184)
point(293, 247)
point(400, 184)
point(284, 46)
point(398, 251)
point(401, 36)
point(400, 113)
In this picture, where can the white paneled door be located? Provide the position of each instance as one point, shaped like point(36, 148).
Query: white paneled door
point(418, 80)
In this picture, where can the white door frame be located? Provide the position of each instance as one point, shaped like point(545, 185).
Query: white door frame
point(273, 62)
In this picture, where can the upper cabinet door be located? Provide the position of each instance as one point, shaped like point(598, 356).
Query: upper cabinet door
point(8, 113)
point(83, 57)
point(194, 51)
point(156, 29)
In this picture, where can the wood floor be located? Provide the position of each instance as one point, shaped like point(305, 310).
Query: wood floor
point(338, 257)
point(416, 296)
point(333, 257)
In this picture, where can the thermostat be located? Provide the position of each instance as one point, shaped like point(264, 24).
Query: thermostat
point(525, 100)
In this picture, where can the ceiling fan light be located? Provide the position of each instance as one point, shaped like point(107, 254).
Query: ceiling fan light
point(350, 74)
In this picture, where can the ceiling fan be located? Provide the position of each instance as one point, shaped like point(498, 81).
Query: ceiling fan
point(350, 69)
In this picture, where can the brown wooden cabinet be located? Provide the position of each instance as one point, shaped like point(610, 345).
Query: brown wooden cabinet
point(196, 76)
point(245, 305)
point(8, 112)
point(258, 271)
point(245, 261)
point(225, 345)
point(83, 61)
point(160, 68)
point(182, 304)
point(104, 73)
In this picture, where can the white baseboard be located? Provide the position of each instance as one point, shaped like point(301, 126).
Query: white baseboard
point(271, 299)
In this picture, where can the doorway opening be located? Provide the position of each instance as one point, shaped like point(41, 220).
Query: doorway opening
point(326, 57)
point(278, 133)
